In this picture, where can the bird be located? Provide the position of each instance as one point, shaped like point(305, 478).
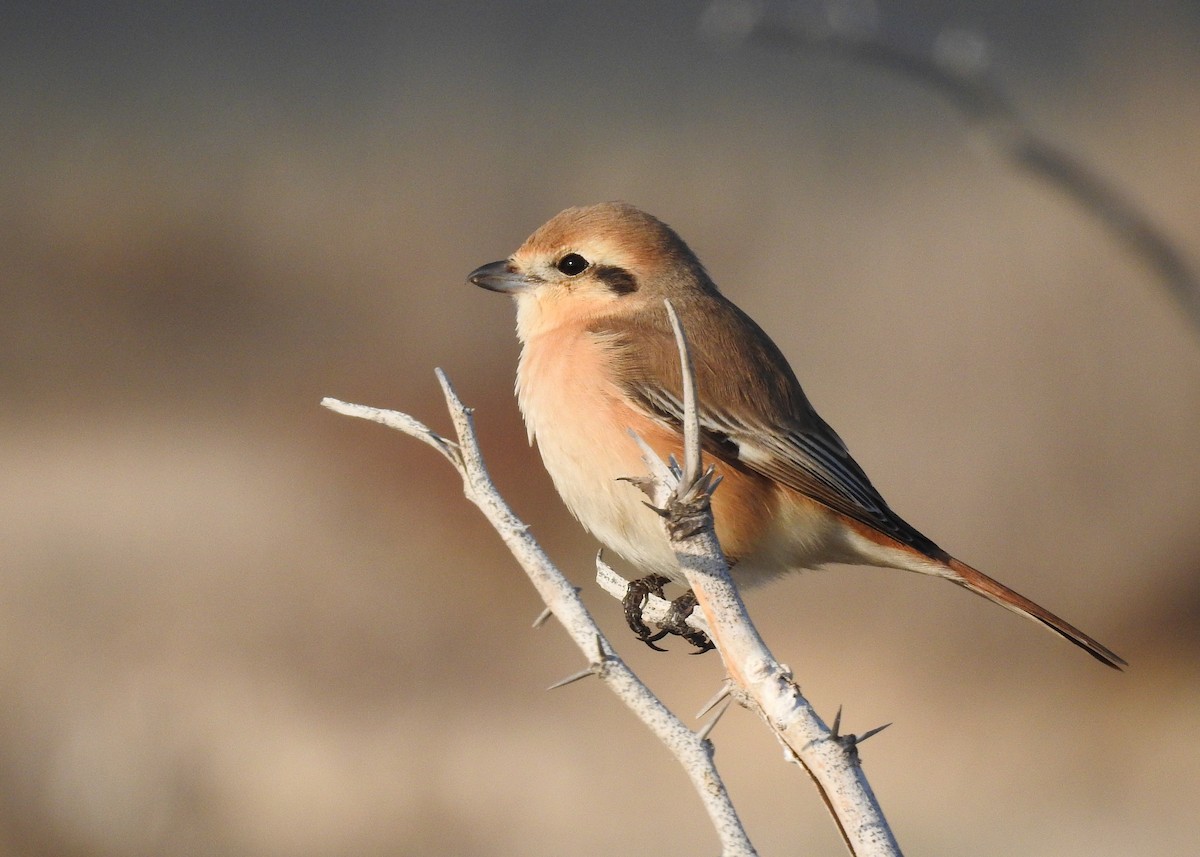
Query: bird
point(599, 361)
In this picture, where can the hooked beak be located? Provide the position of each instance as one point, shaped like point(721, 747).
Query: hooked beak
point(499, 276)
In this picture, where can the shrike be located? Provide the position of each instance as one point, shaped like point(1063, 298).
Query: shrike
point(599, 357)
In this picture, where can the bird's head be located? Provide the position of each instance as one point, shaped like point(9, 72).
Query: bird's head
point(597, 260)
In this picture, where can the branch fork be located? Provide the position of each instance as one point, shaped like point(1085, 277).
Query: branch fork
point(691, 749)
point(757, 680)
point(681, 493)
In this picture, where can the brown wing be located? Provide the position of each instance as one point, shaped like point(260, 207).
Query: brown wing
point(753, 411)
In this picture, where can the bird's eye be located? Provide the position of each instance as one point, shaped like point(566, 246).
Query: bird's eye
point(572, 264)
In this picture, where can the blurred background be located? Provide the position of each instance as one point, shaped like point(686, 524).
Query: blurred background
point(232, 622)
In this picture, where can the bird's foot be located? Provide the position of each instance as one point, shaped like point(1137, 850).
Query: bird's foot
point(675, 621)
point(635, 600)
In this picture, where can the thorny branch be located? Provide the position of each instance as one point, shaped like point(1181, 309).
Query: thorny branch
point(759, 681)
point(756, 679)
point(691, 749)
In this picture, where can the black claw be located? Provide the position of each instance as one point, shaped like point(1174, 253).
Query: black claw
point(635, 600)
point(675, 622)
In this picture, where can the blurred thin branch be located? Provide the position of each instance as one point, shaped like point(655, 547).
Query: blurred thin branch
point(957, 72)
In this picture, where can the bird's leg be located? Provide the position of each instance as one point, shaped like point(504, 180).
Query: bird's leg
point(676, 623)
point(635, 600)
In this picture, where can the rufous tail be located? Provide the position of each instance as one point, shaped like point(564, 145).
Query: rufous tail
point(981, 584)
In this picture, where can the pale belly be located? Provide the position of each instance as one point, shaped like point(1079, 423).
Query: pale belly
point(582, 432)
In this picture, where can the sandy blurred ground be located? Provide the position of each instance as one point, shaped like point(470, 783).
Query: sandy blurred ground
point(234, 623)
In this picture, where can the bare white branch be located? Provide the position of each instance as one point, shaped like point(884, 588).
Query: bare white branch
point(400, 422)
point(693, 751)
point(762, 683)
point(691, 417)
point(757, 680)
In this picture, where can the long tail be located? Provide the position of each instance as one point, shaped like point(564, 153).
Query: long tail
point(980, 583)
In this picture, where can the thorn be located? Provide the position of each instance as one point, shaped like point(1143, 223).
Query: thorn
point(708, 727)
point(870, 732)
point(721, 693)
point(658, 470)
point(545, 615)
point(851, 742)
point(642, 483)
point(652, 639)
point(662, 513)
point(571, 679)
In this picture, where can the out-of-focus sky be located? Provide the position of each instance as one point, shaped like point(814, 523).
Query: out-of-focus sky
point(234, 623)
